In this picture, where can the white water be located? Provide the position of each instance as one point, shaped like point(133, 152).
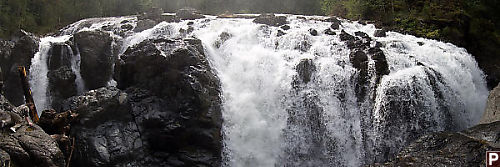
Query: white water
point(267, 119)
point(38, 79)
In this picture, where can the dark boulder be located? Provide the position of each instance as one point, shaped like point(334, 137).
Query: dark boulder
point(359, 60)
point(28, 145)
point(492, 112)
point(271, 20)
point(305, 70)
point(381, 65)
point(168, 112)
point(96, 57)
point(380, 33)
point(467, 148)
point(24, 49)
point(62, 85)
point(361, 34)
point(335, 23)
point(280, 33)
point(285, 27)
point(329, 31)
point(223, 37)
point(60, 54)
point(188, 14)
point(313, 32)
point(127, 27)
point(344, 36)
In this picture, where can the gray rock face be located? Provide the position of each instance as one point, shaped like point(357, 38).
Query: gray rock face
point(467, 148)
point(62, 85)
point(492, 112)
point(29, 145)
point(96, 57)
point(168, 112)
point(271, 20)
point(14, 54)
point(144, 25)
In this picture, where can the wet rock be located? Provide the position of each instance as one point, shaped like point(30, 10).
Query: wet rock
point(313, 32)
point(450, 148)
point(361, 34)
point(96, 57)
point(344, 36)
point(381, 65)
point(305, 70)
point(61, 85)
point(285, 27)
point(380, 33)
point(335, 23)
point(280, 33)
point(303, 46)
point(420, 43)
point(271, 20)
point(1, 81)
point(223, 37)
point(29, 145)
point(329, 31)
point(492, 112)
point(359, 60)
point(24, 49)
point(168, 114)
point(144, 25)
point(188, 14)
point(60, 54)
point(127, 27)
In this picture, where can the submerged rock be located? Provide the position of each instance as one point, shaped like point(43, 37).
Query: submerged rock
point(271, 20)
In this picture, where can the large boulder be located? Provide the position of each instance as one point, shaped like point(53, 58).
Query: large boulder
point(492, 112)
point(271, 20)
point(61, 85)
point(467, 148)
point(167, 113)
point(97, 57)
point(13, 54)
point(28, 145)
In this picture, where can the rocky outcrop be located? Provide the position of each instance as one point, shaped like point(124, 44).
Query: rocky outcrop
point(13, 54)
point(492, 112)
point(305, 70)
point(271, 20)
point(62, 85)
point(97, 57)
point(167, 113)
point(28, 145)
point(335, 23)
point(467, 148)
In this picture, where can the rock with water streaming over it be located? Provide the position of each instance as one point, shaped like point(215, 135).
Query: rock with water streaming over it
point(97, 58)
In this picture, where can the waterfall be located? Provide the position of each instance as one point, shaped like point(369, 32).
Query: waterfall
point(38, 72)
point(293, 98)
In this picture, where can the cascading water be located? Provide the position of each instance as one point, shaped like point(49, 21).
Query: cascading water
point(293, 98)
point(38, 72)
